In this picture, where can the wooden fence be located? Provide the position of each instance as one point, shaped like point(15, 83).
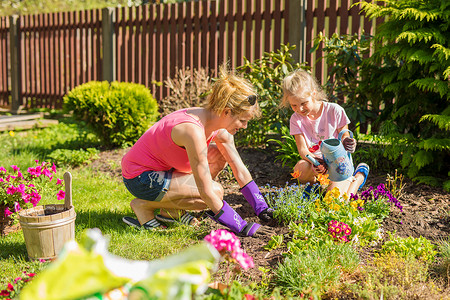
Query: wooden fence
point(44, 56)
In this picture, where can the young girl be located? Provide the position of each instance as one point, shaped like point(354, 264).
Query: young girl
point(314, 120)
point(173, 165)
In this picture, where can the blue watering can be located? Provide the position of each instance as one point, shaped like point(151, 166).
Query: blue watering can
point(339, 161)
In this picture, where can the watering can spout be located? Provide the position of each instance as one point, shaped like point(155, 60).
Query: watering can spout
point(339, 161)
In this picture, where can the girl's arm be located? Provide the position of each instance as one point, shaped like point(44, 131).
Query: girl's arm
point(303, 150)
point(302, 147)
point(192, 138)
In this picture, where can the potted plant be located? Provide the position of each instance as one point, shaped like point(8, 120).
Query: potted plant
point(22, 190)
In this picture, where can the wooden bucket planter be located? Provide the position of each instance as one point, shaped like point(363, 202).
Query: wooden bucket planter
point(47, 228)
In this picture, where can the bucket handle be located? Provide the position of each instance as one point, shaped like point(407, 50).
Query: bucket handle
point(342, 133)
point(68, 188)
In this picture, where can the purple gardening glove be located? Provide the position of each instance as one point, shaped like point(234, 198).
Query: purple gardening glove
point(349, 144)
point(253, 196)
point(231, 219)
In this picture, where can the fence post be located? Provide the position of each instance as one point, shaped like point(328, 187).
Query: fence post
point(109, 49)
point(297, 29)
point(16, 99)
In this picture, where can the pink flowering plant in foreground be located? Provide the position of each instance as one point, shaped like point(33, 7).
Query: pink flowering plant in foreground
point(23, 189)
point(229, 246)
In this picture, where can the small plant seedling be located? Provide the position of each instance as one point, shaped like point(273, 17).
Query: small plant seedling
point(275, 242)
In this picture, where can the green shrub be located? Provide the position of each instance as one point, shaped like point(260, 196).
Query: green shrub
point(266, 74)
point(413, 66)
point(119, 112)
point(73, 158)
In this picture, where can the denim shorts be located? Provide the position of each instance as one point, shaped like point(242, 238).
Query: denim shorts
point(150, 185)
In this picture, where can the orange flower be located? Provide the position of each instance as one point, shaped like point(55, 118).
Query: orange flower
point(323, 179)
point(296, 174)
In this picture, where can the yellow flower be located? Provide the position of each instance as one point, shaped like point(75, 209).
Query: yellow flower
point(323, 179)
point(12, 133)
point(354, 204)
point(345, 196)
point(335, 192)
point(360, 202)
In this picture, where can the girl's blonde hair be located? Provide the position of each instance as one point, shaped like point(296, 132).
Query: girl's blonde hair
point(232, 91)
point(301, 84)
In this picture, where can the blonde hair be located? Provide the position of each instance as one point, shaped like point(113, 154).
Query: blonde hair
point(232, 91)
point(301, 84)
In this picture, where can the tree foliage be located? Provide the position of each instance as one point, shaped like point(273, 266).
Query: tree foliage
point(412, 59)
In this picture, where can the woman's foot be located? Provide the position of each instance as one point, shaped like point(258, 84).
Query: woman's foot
point(176, 216)
point(149, 225)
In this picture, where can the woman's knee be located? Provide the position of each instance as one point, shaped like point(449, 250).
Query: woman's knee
point(218, 189)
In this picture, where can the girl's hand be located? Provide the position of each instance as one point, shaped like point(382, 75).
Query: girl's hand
point(322, 168)
point(349, 144)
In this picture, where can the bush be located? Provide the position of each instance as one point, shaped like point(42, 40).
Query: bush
point(414, 66)
point(119, 112)
point(266, 74)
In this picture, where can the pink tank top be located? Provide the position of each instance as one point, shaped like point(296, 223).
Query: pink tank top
point(155, 150)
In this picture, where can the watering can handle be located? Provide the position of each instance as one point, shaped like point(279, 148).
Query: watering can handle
point(342, 133)
point(312, 160)
point(68, 188)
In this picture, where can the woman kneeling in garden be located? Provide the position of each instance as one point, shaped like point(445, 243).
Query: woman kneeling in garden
point(173, 165)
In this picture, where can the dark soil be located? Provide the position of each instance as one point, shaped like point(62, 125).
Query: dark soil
point(426, 210)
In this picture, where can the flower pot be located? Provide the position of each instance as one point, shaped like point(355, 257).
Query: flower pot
point(47, 228)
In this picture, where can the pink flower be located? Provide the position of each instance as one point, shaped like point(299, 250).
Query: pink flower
point(19, 175)
point(4, 293)
point(10, 287)
point(15, 168)
point(243, 259)
point(54, 168)
point(35, 198)
point(59, 181)
point(47, 173)
point(2, 170)
point(21, 188)
point(17, 279)
point(60, 195)
point(224, 240)
point(7, 212)
point(16, 206)
point(33, 274)
point(11, 190)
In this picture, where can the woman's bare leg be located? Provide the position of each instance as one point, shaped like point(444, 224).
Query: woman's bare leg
point(216, 160)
